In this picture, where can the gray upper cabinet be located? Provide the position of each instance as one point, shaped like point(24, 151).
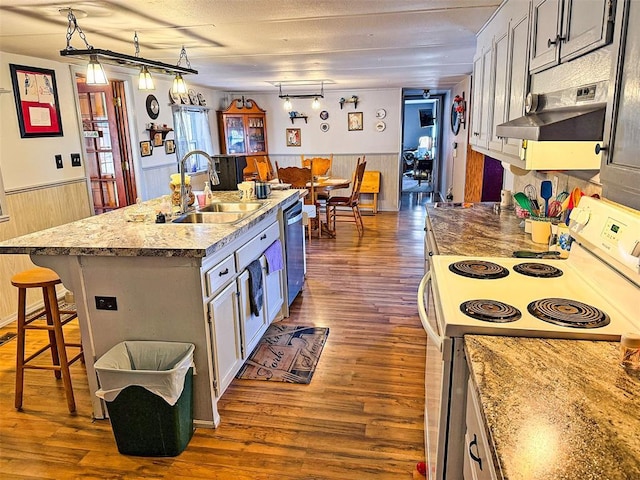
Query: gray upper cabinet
point(565, 29)
point(620, 171)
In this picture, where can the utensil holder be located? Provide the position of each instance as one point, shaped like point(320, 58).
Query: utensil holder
point(540, 230)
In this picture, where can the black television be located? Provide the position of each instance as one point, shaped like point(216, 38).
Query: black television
point(426, 118)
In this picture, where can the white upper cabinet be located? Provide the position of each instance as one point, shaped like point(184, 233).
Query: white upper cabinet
point(565, 29)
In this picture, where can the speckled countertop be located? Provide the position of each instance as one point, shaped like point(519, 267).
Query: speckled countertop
point(110, 234)
point(557, 409)
point(476, 230)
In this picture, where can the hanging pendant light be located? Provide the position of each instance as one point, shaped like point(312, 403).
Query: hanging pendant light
point(315, 104)
point(178, 82)
point(145, 82)
point(95, 72)
point(287, 104)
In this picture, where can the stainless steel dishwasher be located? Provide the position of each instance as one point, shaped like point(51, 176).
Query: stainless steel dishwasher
point(294, 249)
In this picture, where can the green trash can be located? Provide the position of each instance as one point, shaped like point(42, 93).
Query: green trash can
point(148, 389)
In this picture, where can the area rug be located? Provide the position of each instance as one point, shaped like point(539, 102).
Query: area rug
point(286, 353)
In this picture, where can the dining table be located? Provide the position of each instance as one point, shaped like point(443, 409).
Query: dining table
point(326, 184)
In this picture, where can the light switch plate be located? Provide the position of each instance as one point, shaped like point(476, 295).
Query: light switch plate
point(59, 161)
point(75, 159)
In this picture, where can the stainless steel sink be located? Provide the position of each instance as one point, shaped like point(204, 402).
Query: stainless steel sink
point(211, 217)
point(232, 207)
point(221, 213)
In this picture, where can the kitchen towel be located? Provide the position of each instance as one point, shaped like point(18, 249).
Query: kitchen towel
point(273, 254)
point(255, 287)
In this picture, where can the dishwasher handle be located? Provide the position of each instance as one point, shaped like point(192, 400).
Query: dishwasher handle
point(296, 219)
point(423, 313)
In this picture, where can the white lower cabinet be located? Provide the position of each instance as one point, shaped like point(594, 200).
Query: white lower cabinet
point(251, 326)
point(273, 291)
point(478, 463)
point(225, 332)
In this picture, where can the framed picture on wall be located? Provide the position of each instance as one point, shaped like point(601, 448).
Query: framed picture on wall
point(157, 139)
point(169, 146)
point(146, 149)
point(354, 121)
point(293, 137)
point(36, 96)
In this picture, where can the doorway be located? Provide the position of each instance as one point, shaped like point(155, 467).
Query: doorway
point(422, 122)
point(109, 161)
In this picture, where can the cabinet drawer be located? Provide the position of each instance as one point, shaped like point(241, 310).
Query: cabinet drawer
point(220, 274)
point(258, 244)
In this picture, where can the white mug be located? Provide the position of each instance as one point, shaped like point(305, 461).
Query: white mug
point(247, 190)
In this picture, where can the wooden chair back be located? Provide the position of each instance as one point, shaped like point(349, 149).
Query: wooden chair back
point(259, 166)
point(298, 177)
point(318, 165)
point(357, 181)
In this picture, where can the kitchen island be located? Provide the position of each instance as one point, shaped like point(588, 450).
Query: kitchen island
point(556, 409)
point(164, 281)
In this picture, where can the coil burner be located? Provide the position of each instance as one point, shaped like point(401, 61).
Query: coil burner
point(478, 269)
point(490, 311)
point(540, 270)
point(568, 313)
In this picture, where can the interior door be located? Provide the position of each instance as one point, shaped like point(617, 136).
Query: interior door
point(112, 184)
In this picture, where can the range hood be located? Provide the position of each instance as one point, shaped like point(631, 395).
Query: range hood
point(575, 114)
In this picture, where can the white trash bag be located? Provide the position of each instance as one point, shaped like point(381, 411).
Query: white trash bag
point(160, 367)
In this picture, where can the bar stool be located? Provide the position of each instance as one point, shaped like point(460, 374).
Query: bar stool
point(55, 319)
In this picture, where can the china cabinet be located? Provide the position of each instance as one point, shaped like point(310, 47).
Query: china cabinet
point(243, 128)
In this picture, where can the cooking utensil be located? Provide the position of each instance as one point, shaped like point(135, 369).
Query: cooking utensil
point(531, 192)
point(524, 202)
point(555, 209)
point(546, 192)
point(529, 254)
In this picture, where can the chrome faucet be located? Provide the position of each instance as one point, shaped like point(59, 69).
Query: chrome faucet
point(211, 174)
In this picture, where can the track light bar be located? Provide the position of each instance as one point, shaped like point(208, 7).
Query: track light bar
point(305, 95)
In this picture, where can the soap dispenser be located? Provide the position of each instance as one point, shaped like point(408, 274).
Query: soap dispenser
point(208, 196)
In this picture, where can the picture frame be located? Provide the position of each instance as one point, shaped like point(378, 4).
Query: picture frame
point(169, 147)
point(157, 139)
point(354, 121)
point(146, 149)
point(36, 96)
point(294, 138)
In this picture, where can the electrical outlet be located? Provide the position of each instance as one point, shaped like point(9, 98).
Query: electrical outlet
point(59, 161)
point(75, 159)
point(106, 303)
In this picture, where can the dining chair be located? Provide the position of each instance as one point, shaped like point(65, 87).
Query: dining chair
point(301, 178)
point(261, 166)
point(321, 165)
point(352, 201)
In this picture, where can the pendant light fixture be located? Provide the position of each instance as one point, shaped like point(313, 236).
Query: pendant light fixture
point(315, 104)
point(288, 96)
point(178, 82)
point(145, 82)
point(144, 66)
point(287, 104)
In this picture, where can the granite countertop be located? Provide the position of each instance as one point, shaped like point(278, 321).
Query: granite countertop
point(110, 234)
point(474, 229)
point(557, 409)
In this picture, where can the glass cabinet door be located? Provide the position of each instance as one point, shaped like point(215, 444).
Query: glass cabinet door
point(234, 128)
point(255, 134)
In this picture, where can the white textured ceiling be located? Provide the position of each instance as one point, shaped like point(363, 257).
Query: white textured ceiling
point(248, 45)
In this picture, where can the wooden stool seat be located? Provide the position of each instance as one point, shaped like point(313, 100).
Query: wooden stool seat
point(49, 318)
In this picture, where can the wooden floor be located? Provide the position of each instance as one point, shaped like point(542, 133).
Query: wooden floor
point(360, 418)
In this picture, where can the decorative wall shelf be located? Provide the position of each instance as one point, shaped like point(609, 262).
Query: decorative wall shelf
point(298, 116)
point(353, 99)
point(163, 131)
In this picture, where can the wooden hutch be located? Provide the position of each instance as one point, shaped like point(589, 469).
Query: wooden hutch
point(242, 128)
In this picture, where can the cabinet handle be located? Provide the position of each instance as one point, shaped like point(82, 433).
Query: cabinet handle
point(475, 458)
point(476, 134)
point(223, 272)
point(556, 41)
point(599, 149)
point(263, 236)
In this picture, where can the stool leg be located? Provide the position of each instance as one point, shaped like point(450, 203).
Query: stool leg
point(22, 306)
point(52, 334)
point(62, 353)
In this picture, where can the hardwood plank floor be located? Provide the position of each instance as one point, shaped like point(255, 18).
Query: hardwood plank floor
point(360, 417)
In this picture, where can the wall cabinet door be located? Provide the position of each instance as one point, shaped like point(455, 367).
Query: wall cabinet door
point(566, 29)
point(252, 326)
point(620, 171)
point(225, 332)
point(518, 83)
point(476, 99)
point(500, 88)
point(486, 103)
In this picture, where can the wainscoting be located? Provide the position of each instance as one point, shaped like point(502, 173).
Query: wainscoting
point(31, 210)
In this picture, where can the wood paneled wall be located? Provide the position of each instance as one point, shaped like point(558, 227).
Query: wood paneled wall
point(475, 172)
point(29, 211)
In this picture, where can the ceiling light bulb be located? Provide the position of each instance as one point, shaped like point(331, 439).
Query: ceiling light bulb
point(315, 104)
point(95, 72)
point(287, 104)
point(145, 82)
point(178, 84)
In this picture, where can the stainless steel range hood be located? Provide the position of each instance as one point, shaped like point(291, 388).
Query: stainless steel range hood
point(575, 114)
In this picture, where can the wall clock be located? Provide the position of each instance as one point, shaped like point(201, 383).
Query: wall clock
point(153, 107)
